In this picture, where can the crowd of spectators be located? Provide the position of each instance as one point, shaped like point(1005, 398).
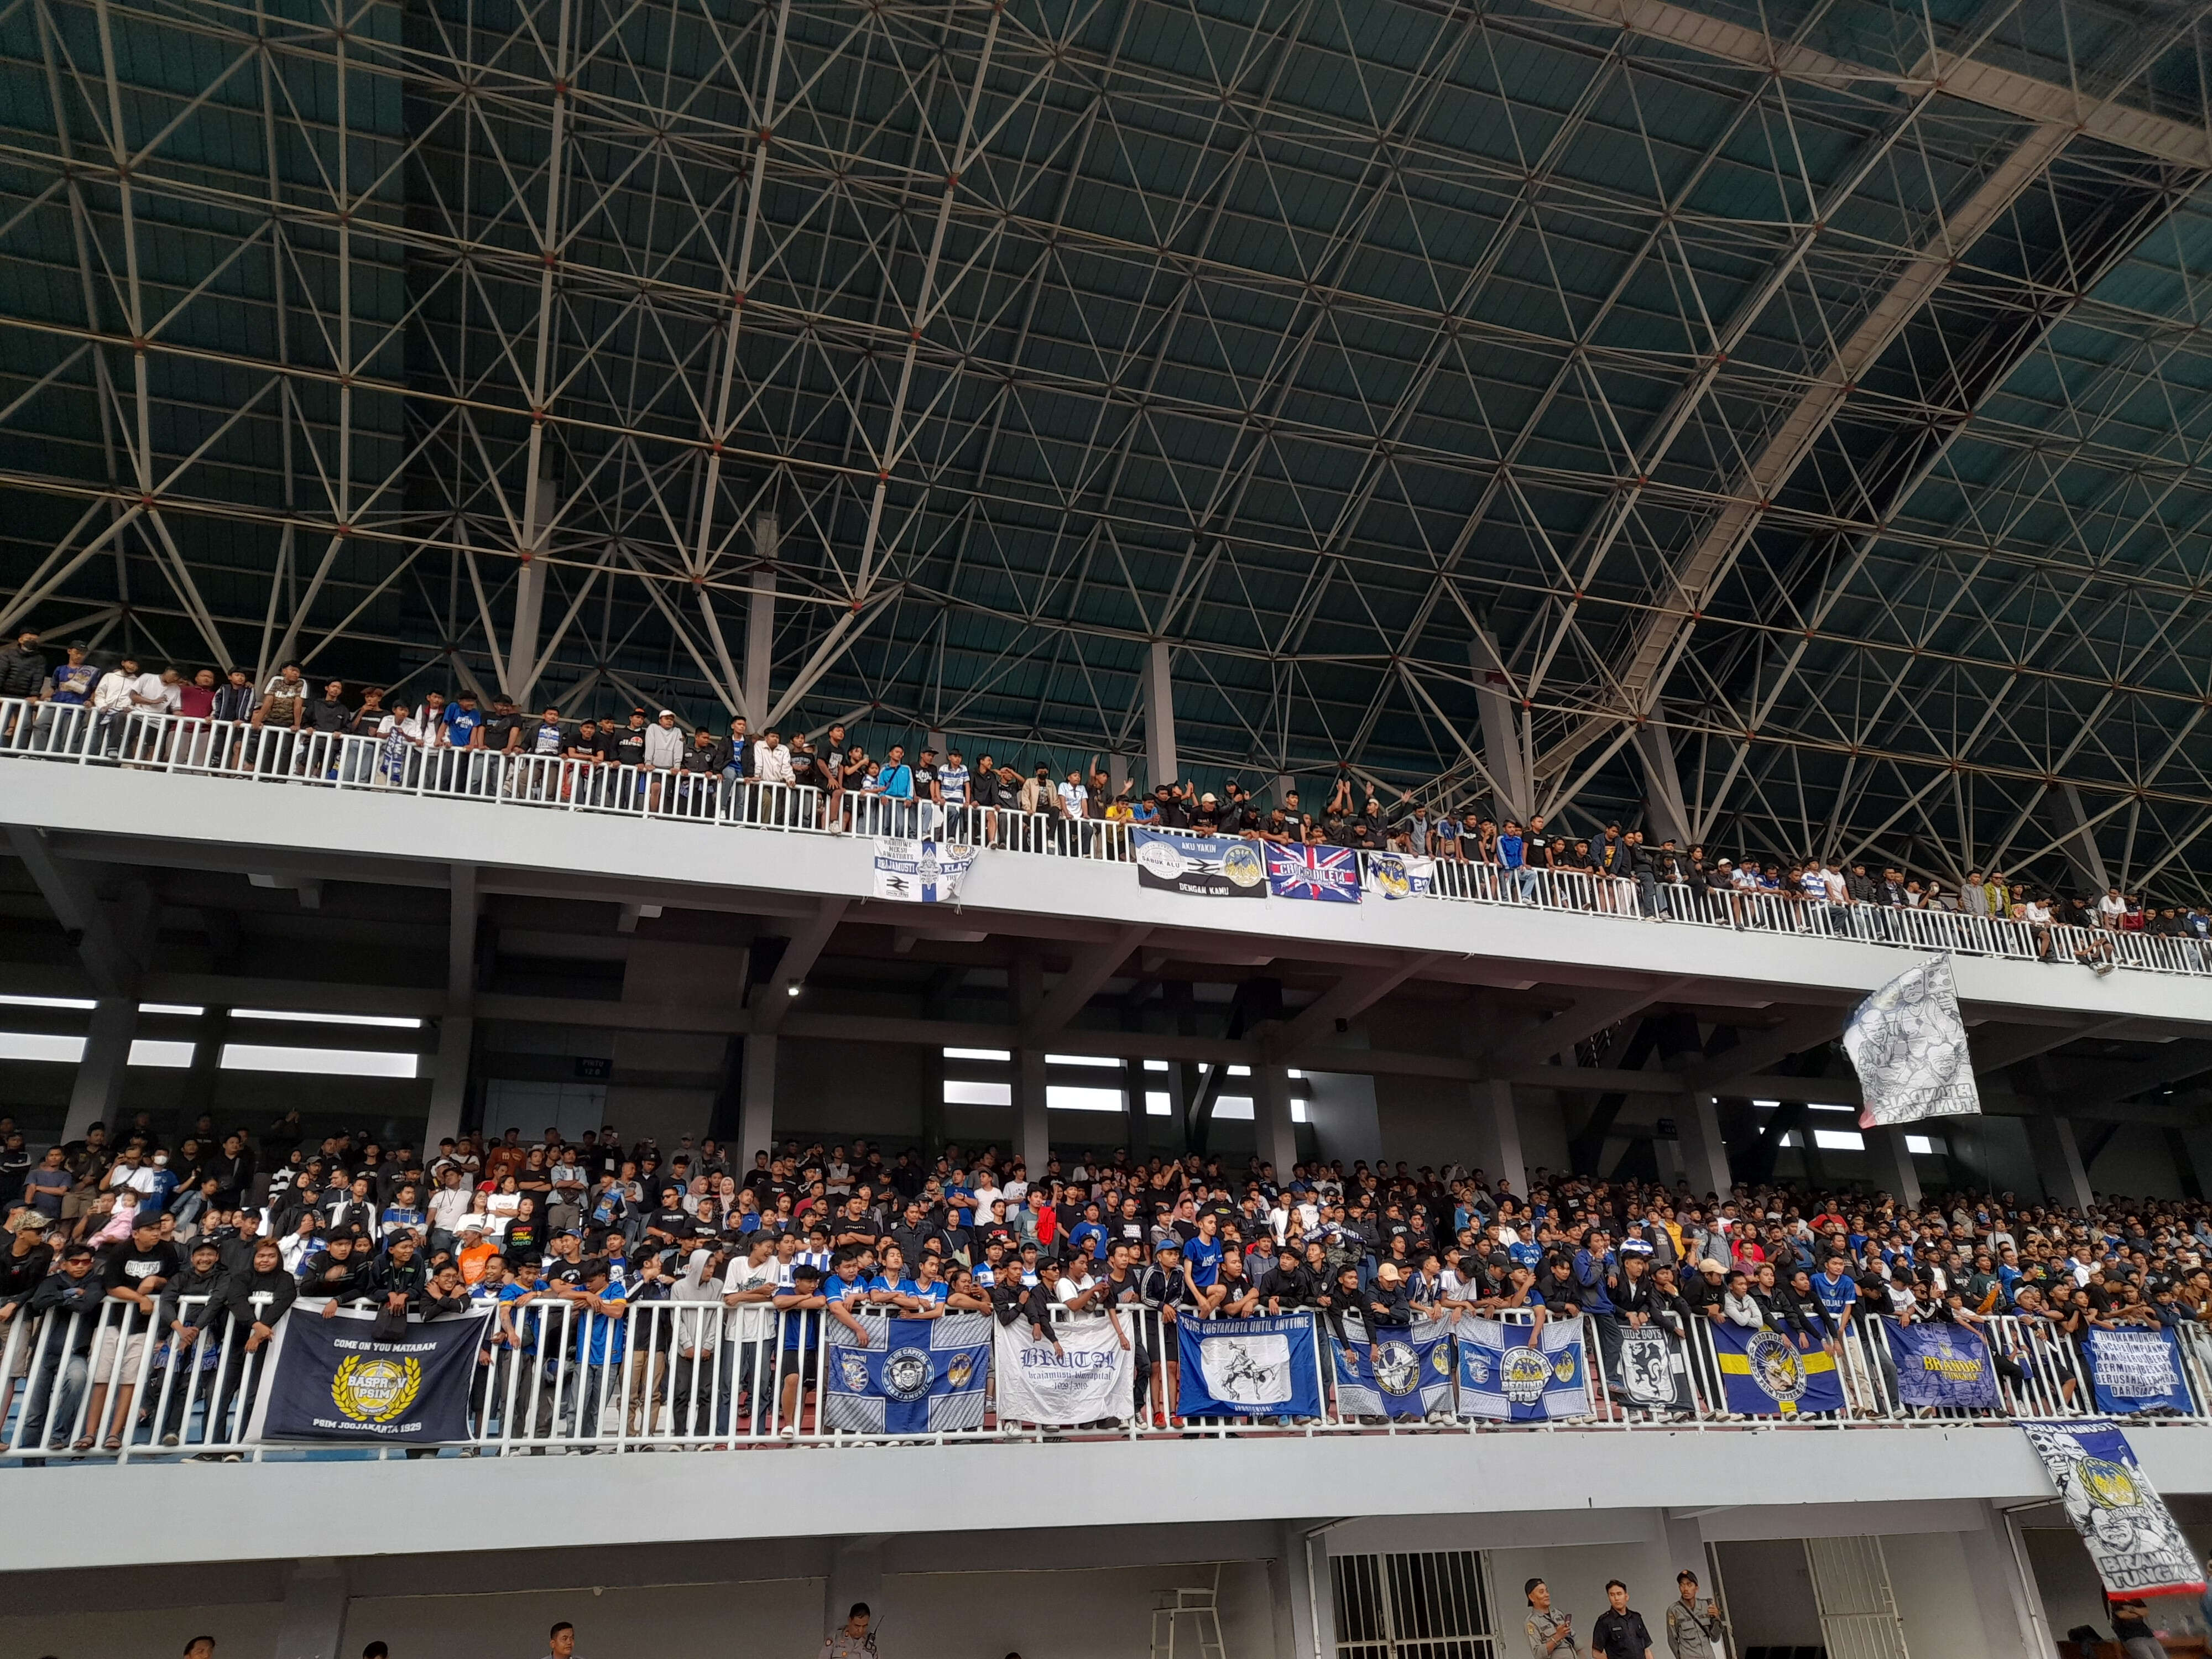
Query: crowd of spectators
point(143, 1218)
point(647, 756)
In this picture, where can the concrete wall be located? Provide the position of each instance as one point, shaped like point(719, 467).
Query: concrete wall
point(755, 1620)
point(90, 1633)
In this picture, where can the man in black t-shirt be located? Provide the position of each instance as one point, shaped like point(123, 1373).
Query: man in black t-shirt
point(132, 1271)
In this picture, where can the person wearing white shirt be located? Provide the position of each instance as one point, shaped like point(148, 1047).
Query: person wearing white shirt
point(1278, 1219)
point(986, 1195)
point(772, 760)
point(664, 752)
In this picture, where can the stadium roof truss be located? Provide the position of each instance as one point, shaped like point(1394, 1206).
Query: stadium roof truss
point(1787, 422)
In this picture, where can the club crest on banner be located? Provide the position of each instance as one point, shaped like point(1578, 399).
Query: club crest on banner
point(376, 1390)
point(908, 1374)
point(1777, 1368)
point(1524, 1374)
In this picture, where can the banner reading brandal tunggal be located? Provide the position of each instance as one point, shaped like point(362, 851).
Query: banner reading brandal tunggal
point(2131, 1535)
point(1942, 1365)
point(329, 1379)
point(2134, 1371)
point(1247, 1368)
point(922, 872)
point(1087, 1378)
point(1908, 1043)
point(1511, 1373)
point(1406, 1371)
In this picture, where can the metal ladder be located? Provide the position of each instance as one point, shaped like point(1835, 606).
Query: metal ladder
point(1201, 1606)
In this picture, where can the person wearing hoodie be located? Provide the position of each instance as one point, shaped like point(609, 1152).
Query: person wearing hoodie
point(254, 1302)
point(191, 1366)
point(72, 1294)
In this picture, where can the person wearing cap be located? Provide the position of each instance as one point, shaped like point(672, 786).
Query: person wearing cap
point(1550, 1632)
point(71, 1294)
point(1205, 820)
point(664, 753)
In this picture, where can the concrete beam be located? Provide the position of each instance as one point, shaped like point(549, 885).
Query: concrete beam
point(1086, 977)
point(1584, 1018)
point(770, 1005)
point(110, 960)
point(1352, 994)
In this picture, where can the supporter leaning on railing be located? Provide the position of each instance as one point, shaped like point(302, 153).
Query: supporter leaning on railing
point(285, 731)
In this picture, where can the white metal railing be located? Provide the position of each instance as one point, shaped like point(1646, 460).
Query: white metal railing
point(344, 762)
point(552, 1375)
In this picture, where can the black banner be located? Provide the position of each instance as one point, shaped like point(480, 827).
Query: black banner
point(329, 1379)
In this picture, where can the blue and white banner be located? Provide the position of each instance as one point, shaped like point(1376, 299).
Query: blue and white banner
point(1205, 866)
point(922, 872)
point(1247, 1368)
point(1403, 1373)
point(1944, 1365)
point(1515, 1375)
point(911, 1376)
point(1082, 1374)
point(2129, 1533)
point(1330, 873)
point(1764, 1374)
point(1400, 875)
point(2134, 1371)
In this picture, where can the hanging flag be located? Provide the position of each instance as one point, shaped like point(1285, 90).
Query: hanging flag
point(1908, 1045)
point(910, 1376)
point(1330, 873)
point(1764, 1374)
point(1247, 1368)
point(1203, 867)
point(329, 1379)
point(1944, 1365)
point(2129, 1533)
point(1404, 1373)
point(1654, 1373)
point(2136, 1370)
point(922, 872)
point(1088, 1380)
point(1514, 1375)
point(1400, 875)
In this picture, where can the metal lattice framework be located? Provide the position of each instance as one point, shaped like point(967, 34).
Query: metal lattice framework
point(1788, 423)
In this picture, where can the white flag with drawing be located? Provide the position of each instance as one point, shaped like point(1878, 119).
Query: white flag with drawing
point(1908, 1045)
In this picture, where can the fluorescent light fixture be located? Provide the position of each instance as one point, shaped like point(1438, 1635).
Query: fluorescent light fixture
point(46, 1002)
point(1817, 1106)
point(791, 990)
point(958, 1093)
point(1240, 1071)
point(40, 1046)
point(978, 1054)
point(1926, 1145)
point(322, 1062)
point(183, 1008)
point(1768, 1105)
point(1157, 1104)
point(154, 1051)
point(1080, 1059)
point(1063, 1098)
point(1156, 1066)
point(1296, 1073)
point(1839, 1140)
point(396, 1021)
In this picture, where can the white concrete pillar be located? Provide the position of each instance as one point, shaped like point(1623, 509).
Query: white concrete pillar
point(1293, 1608)
point(312, 1623)
point(1893, 1166)
point(2005, 1597)
point(449, 1086)
point(1159, 717)
point(855, 1574)
point(1275, 1131)
point(1705, 1155)
point(96, 1092)
point(1496, 1139)
point(2058, 1161)
point(757, 1096)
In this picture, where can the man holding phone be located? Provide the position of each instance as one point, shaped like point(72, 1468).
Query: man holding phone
point(1550, 1632)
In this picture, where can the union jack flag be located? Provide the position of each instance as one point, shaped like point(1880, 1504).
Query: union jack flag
point(1313, 872)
